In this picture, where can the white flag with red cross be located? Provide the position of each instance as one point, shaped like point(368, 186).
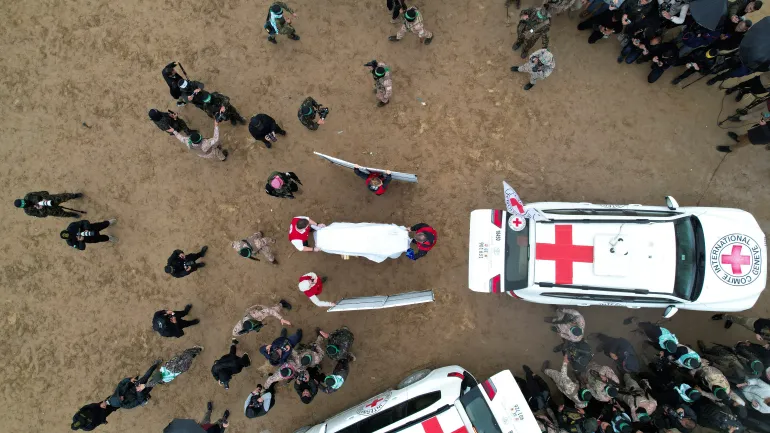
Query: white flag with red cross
point(515, 206)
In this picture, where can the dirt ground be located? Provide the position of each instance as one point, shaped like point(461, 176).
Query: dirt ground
point(75, 323)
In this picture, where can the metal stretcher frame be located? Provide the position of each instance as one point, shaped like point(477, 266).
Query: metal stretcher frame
point(379, 302)
point(404, 177)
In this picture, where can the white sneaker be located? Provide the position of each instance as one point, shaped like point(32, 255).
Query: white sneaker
point(112, 221)
point(113, 239)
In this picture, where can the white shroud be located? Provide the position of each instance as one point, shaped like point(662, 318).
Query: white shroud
point(376, 242)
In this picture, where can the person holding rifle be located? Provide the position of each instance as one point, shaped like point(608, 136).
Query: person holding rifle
point(172, 79)
point(169, 122)
point(383, 83)
point(307, 111)
point(217, 106)
point(41, 204)
point(277, 24)
point(375, 181)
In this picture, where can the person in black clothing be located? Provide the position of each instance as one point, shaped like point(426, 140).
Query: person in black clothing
point(132, 392)
point(41, 204)
point(282, 185)
point(91, 416)
point(263, 128)
point(169, 122)
point(83, 232)
point(620, 350)
point(169, 323)
point(172, 79)
point(395, 6)
point(217, 427)
point(307, 384)
point(534, 389)
point(681, 417)
point(375, 181)
point(260, 401)
point(575, 420)
point(717, 417)
point(702, 60)
point(638, 37)
point(757, 85)
point(633, 12)
point(664, 55)
point(181, 265)
point(603, 25)
point(229, 365)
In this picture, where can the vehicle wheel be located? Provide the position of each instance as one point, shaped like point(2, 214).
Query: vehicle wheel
point(302, 429)
point(413, 378)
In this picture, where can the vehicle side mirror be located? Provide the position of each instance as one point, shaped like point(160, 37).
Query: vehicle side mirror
point(671, 203)
point(670, 311)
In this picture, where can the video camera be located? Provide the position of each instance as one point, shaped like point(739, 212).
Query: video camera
point(220, 117)
point(372, 64)
point(323, 112)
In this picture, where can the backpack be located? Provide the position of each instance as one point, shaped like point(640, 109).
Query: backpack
point(580, 354)
point(162, 326)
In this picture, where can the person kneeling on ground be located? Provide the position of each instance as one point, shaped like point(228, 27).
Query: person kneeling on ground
point(282, 185)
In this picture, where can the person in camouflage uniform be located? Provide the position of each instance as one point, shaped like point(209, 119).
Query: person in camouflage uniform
point(383, 83)
point(534, 23)
point(339, 344)
point(208, 148)
point(736, 368)
point(413, 23)
point(638, 399)
point(307, 111)
point(256, 314)
point(175, 366)
point(556, 7)
point(253, 244)
point(277, 24)
point(310, 355)
point(187, 89)
point(602, 381)
point(566, 385)
point(168, 122)
point(540, 65)
point(41, 204)
point(712, 383)
point(569, 324)
point(216, 104)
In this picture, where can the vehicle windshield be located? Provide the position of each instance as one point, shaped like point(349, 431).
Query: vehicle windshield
point(516, 257)
point(478, 412)
point(690, 258)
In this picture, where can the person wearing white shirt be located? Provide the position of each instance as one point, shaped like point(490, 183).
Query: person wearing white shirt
point(758, 393)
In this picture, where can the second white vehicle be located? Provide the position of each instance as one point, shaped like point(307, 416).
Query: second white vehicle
point(694, 258)
point(444, 400)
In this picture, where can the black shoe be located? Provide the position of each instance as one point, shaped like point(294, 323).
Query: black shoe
point(429, 40)
point(78, 195)
point(733, 135)
point(234, 341)
point(528, 86)
point(187, 309)
point(545, 366)
point(730, 90)
point(524, 55)
point(200, 265)
point(558, 348)
point(226, 415)
point(234, 122)
point(294, 37)
point(526, 369)
point(209, 406)
point(514, 69)
point(195, 321)
point(620, 59)
point(516, 46)
point(629, 320)
point(392, 39)
point(272, 40)
point(712, 81)
point(226, 154)
point(739, 96)
point(268, 145)
point(323, 279)
point(285, 305)
point(728, 324)
point(676, 80)
point(203, 251)
point(281, 133)
point(719, 316)
point(382, 104)
point(284, 332)
point(724, 149)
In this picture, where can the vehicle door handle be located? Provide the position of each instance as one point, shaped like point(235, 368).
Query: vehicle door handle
point(584, 305)
point(635, 307)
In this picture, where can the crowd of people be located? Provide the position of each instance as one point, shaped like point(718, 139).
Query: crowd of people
point(665, 387)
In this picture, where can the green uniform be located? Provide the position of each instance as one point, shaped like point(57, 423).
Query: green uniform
point(533, 28)
point(308, 119)
point(33, 206)
point(342, 339)
point(277, 24)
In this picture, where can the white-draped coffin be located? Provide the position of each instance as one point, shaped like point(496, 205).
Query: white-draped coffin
point(376, 242)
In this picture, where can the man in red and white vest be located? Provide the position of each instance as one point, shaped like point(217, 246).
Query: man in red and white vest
point(299, 232)
point(425, 238)
point(312, 286)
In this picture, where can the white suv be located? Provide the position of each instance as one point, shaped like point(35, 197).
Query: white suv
point(695, 258)
point(444, 400)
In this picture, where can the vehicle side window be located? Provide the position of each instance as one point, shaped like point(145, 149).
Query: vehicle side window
point(396, 413)
point(612, 298)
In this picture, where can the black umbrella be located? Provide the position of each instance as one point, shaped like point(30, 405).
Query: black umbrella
point(755, 47)
point(708, 13)
point(183, 426)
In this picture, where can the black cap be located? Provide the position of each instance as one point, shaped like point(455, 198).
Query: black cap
point(18, 202)
point(670, 346)
point(168, 269)
point(195, 137)
point(275, 9)
point(154, 115)
point(379, 71)
point(410, 14)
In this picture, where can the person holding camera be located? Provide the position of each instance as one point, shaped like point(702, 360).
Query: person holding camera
point(759, 134)
point(181, 265)
point(83, 232)
point(307, 112)
point(229, 365)
point(168, 122)
point(259, 402)
point(383, 84)
point(41, 204)
point(540, 65)
point(277, 24)
point(254, 244)
point(217, 427)
point(208, 148)
point(132, 392)
point(282, 185)
point(263, 128)
point(169, 323)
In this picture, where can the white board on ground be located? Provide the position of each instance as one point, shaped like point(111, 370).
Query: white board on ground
point(378, 302)
point(404, 177)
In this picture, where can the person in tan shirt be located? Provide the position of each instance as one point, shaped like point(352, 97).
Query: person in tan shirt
point(208, 148)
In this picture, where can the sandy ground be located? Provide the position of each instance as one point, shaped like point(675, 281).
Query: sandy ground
point(75, 323)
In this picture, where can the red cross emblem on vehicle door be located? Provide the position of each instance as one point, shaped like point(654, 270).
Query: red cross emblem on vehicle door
point(564, 253)
point(736, 260)
point(433, 426)
point(517, 221)
point(374, 402)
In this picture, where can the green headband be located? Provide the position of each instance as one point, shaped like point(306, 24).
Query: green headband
point(583, 393)
point(332, 349)
point(410, 14)
point(23, 203)
point(754, 362)
point(540, 14)
point(208, 98)
point(245, 252)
